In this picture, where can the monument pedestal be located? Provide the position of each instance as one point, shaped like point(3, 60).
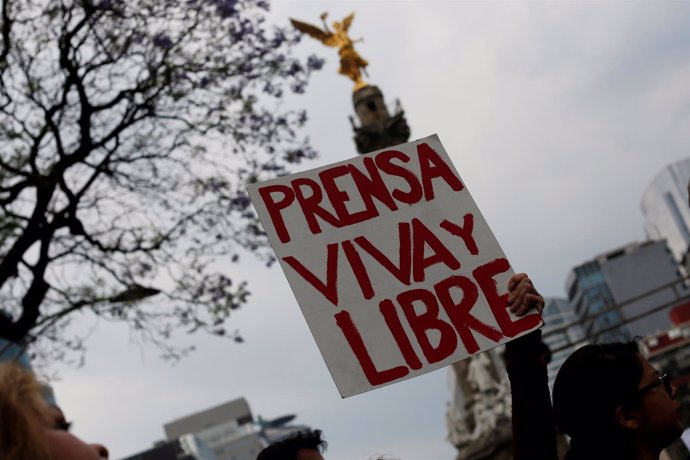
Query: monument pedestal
point(479, 423)
point(478, 417)
point(377, 129)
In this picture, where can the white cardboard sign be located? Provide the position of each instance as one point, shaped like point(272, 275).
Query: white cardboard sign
point(395, 269)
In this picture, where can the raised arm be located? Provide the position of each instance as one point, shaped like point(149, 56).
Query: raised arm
point(534, 431)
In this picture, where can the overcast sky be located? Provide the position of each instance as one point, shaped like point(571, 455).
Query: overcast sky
point(557, 116)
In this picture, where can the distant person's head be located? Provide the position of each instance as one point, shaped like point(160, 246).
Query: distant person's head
point(304, 445)
point(613, 404)
point(30, 429)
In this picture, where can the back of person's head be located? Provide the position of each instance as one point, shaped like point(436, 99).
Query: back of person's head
point(288, 448)
point(591, 384)
point(22, 414)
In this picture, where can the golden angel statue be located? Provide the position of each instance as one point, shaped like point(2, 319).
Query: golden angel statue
point(351, 63)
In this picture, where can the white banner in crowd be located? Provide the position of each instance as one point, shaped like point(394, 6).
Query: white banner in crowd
point(395, 269)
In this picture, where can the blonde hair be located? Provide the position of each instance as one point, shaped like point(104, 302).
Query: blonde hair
point(23, 415)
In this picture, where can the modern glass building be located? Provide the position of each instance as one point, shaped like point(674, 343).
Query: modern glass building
point(627, 292)
point(665, 208)
point(589, 294)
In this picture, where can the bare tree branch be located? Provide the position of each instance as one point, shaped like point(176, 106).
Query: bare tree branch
point(129, 130)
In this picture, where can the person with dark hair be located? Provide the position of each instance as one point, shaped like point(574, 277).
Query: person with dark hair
point(613, 404)
point(607, 397)
point(303, 445)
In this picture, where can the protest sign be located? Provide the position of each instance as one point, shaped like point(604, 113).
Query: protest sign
point(395, 269)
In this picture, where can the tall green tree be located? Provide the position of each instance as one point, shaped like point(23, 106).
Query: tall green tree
point(128, 130)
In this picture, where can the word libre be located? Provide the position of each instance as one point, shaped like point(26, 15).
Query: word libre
point(393, 265)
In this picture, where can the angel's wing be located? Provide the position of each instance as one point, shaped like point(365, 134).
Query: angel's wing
point(323, 36)
point(348, 21)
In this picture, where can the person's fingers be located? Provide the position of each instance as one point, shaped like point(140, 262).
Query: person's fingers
point(513, 286)
point(523, 295)
point(515, 280)
point(514, 297)
point(537, 301)
point(530, 301)
point(520, 292)
point(520, 299)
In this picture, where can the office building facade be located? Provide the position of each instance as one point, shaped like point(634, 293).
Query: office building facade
point(665, 208)
point(186, 447)
point(228, 430)
point(642, 279)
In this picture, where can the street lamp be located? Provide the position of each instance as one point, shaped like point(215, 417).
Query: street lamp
point(15, 351)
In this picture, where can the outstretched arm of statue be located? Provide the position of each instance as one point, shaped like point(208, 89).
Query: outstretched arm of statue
point(324, 36)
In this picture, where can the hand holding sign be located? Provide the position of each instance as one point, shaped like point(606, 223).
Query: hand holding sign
point(393, 265)
point(523, 295)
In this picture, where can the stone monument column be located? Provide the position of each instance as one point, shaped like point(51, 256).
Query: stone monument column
point(478, 414)
point(377, 128)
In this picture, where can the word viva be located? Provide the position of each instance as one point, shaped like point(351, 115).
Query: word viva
point(414, 238)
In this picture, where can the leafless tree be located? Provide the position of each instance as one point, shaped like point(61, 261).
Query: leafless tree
point(128, 130)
